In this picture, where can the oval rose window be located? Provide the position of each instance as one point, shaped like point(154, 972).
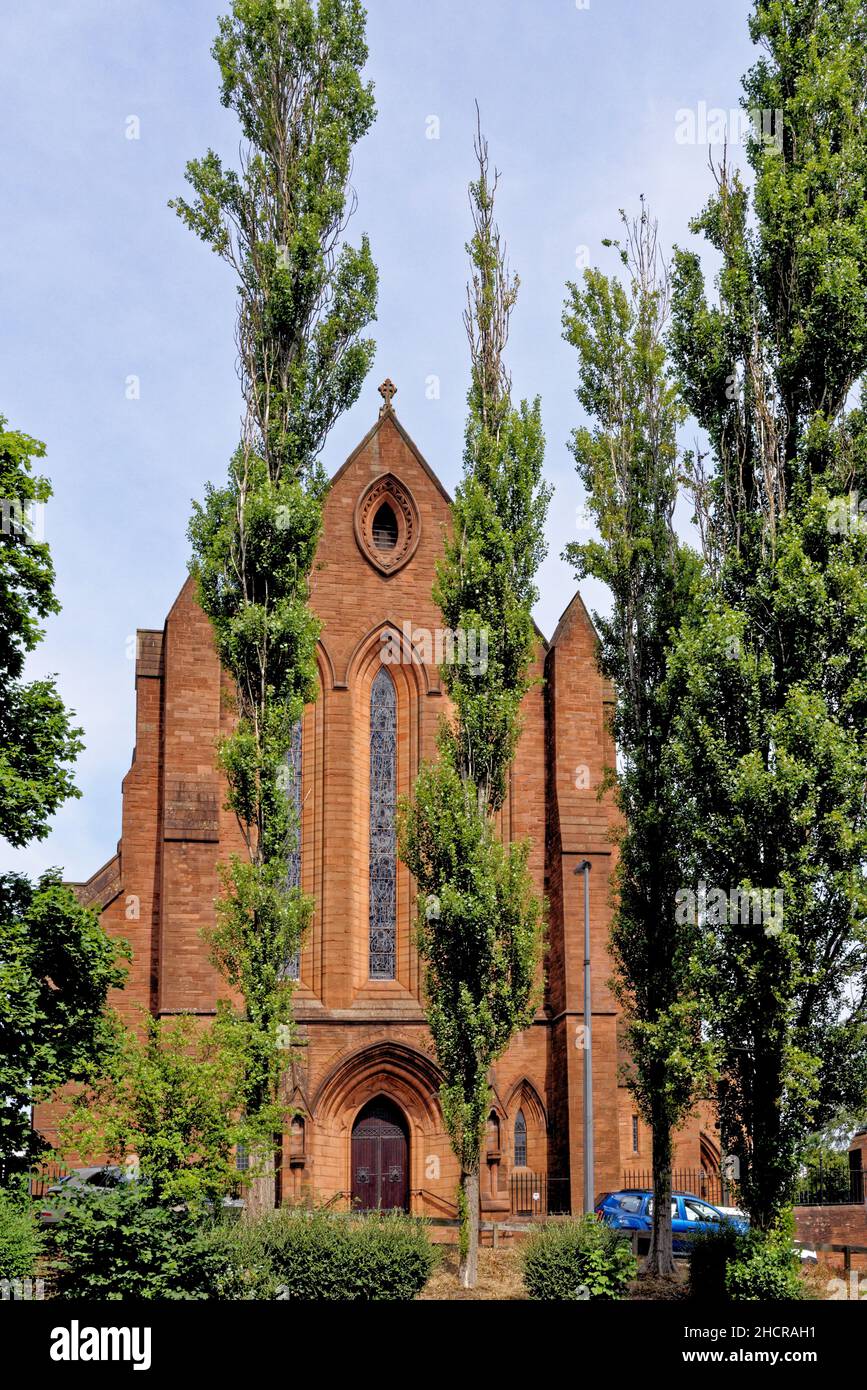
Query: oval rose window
point(387, 524)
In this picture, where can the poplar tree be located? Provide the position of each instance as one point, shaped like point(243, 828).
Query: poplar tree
point(480, 923)
point(628, 463)
point(291, 72)
point(772, 677)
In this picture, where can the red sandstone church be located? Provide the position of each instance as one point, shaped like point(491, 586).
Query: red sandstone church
point(365, 1085)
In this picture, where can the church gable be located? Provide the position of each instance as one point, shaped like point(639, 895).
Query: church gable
point(384, 523)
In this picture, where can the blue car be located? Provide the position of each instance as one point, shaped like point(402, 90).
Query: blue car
point(632, 1210)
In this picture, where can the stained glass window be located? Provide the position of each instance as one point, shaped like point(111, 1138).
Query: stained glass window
point(383, 853)
point(520, 1140)
point(293, 786)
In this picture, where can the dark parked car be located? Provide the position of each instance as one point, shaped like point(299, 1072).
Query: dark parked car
point(100, 1178)
point(632, 1210)
point(80, 1178)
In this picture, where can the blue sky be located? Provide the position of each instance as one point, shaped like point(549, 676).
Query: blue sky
point(99, 281)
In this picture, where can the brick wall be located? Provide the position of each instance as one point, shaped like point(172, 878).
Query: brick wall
point(845, 1225)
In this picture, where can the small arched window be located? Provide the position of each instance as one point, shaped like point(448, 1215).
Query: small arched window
point(520, 1140)
point(383, 844)
point(493, 1134)
point(385, 528)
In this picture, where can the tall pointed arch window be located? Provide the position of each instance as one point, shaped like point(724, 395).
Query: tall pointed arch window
point(293, 788)
point(383, 847)
point(520, 1140)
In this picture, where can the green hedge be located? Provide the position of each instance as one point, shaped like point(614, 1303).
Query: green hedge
point(122, 1243)
point(315, 1256)
point(577, 1261)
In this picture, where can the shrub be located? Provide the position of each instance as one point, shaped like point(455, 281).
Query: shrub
point(120, 1243)
point(375, 1258)
point(20, 1237)
point(237, 1260)
point(765, 1270)
point(745, 1268)
point(577, 1260)
point(292, 1254)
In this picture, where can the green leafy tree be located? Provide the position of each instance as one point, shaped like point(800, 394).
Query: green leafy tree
point(291, 73)
point(772, 677)
point(627, 462)
point(56, 963)
point(37, 741)
point(480, 923)
point(56, 968)
point(168, 1103)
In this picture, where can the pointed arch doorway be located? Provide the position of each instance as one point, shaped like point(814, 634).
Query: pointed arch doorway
point(380, 1158)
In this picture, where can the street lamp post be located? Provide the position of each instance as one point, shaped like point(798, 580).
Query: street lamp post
point(589, 1178)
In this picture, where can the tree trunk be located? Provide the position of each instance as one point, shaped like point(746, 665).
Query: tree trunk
point(260, 1196)
point(469, 1232)
point(764, 1170)
point(660, 1260)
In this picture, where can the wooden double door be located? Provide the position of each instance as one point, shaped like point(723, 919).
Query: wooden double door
point(380, 1158)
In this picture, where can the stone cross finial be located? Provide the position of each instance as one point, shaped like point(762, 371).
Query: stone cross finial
point(388, 391)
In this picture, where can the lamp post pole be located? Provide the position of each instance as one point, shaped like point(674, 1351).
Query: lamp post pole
point(589, 1176)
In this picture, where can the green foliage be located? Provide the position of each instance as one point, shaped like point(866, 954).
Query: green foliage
point(20, 1237)
point(478, 933)
point(480, 926)
point(485, 585)
point(37, 740)
point(291, 73)
point(710, 1253)
point(772, 674)
point(315, 1256)
point(254, 543)
point(577, 1261)
point(753, 1267)
point(172, 1098)
point(627, 462)
point(56, 963)
point(260, 925)
point(238, 1260)
point(464, 1217)
point(767, 1272)
point(485, 582)
point(56, 968)
point(121, 1243)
